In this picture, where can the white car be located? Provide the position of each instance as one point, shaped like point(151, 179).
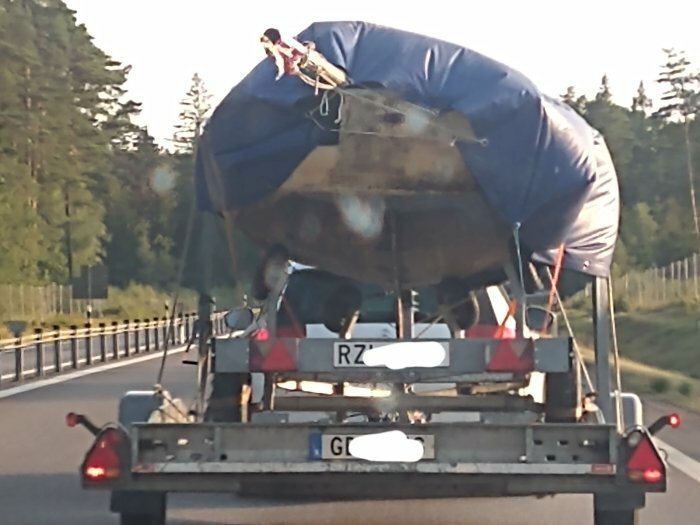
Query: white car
point(302, 311)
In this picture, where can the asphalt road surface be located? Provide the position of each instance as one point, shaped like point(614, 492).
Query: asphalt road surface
point(39, 459)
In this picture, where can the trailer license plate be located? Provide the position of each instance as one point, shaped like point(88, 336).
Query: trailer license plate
point(350, 354)
point(337, 446)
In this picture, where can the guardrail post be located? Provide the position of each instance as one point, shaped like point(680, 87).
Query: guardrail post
point(38, 337)
point(115, 340)
point(19, 361)
point(127, 334)
point(103, 342)
point(180, 329)
point(164, 328)
point(147, 335)
point(137, 339)
point(74, 347)
point(187, 327)
point(155, 333)
point(173, 330)
point(57, 347)
point(88, 344)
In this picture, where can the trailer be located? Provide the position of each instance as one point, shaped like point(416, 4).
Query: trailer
point(272, 430)
point(421, 357)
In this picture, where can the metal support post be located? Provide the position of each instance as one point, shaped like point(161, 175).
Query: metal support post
point(601, 326)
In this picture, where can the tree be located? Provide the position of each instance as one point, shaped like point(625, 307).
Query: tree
point(578, 103)
point(641, 102)
point(682, 102)
point(614, 123)
point(195, 108)
point(639, 232)
point(604, 93)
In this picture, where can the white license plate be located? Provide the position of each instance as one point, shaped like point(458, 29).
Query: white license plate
point(337, 446)
point(350, 354)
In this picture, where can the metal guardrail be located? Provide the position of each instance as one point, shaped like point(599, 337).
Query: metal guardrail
point(51, 352)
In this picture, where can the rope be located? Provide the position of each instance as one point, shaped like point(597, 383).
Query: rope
point(557, 270)
point(180, 273)
point(323, 110)
point(516, 237)
point(577, 350)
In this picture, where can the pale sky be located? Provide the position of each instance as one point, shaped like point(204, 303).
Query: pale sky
point(554, 43)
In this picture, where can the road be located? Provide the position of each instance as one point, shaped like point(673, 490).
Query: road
point(39, 458)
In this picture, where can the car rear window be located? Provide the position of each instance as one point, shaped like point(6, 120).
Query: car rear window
point(308, 290)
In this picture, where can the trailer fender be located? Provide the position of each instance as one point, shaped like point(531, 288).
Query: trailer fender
point(137, 406)
point(632, 410)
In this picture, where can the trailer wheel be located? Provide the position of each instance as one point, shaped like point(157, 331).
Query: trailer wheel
point(224, 404)
point(561, 398)
point(617, 517)
point(129, 518)
point(139, 508)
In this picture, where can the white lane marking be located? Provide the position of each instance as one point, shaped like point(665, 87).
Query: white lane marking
point(82, 373)
point(685, 464)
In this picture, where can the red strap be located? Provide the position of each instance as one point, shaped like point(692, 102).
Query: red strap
point(555, 279)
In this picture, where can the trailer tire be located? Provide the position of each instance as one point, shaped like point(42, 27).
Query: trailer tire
point(130, 518)
point(616, 517)
point(139, 508)
point(224, 404)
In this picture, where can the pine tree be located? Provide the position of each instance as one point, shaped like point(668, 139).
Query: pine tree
point(195, 109)
point(578, 103)
point(682, 102)
point(641, 102)
point(604, 93)
point(614, 123)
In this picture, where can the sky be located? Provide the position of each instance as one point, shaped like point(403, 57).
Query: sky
point(554, 43)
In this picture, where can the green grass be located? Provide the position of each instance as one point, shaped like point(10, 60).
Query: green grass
point(674, 388)
point(666, 338)
point(659, 349)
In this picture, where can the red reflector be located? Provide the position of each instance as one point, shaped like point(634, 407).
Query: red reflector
point(645, 464)
point(513, 355)
point(278, 359)
point(103, 461)
point(484, 331)
point(674, 420)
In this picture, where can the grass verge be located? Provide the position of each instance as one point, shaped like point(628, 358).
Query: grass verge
point(659, 351)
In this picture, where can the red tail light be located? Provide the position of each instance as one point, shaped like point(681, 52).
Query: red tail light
point(674, 420)
point(644, 464)
point(261, 335)
point(104, 460)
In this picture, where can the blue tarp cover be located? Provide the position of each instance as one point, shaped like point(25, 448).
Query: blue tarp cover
point(544, 169)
